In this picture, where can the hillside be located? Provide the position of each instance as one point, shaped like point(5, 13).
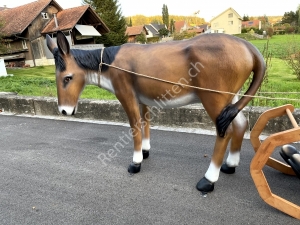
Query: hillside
point(272, 19)
point(141, 19)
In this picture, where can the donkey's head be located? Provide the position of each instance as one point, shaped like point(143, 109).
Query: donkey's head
point(70, 78)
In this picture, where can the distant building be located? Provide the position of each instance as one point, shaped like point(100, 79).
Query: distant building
point(180, 26)
point(252, 23)
point(26, 26)
point(229, 22)
point(153, 29)
point(134, 31)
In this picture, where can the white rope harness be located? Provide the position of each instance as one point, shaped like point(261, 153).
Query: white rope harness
point(184, 85)
point(100, 65)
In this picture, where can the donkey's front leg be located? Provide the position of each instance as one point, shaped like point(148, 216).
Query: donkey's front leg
point(131, 107)
point(146, 131)
point(136, 130)
point(206, 184)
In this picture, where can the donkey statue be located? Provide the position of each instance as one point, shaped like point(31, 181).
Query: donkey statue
point(209, 69)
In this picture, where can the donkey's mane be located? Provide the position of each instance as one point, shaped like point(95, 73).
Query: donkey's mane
point(87, 59)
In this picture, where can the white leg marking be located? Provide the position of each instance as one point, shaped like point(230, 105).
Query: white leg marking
point(137, 156)
point(146, 144)
point(233, 159)
point(212, 174)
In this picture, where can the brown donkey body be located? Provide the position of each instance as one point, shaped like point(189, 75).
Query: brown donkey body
point(212, 61)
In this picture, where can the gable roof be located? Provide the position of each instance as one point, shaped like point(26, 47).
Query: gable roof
point(157, 27)
point(238, 16)
point(68, 18)
point(204, 26)
point(19, 18)
point(251, 23)
point(178, 25)
point(135, 30)
point(151, 29)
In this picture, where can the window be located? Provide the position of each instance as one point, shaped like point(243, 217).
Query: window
point(45, 15)
point(24, 44)
point(230, 22)
point(216, 24)
point(230, 15)
point(8, 45)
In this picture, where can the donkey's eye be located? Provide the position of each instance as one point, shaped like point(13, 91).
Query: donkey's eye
point(67, 79)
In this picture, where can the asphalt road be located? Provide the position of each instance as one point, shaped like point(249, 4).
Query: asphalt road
point(51, 172)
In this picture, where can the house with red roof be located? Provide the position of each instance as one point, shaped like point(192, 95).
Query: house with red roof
point(134, 31)
point(25, 28)
point(180, 26)
point(252, 23)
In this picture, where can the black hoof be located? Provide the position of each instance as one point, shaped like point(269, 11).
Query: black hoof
point(134, 167)
point(226, 169)
point(205, 186)
point(145, 154)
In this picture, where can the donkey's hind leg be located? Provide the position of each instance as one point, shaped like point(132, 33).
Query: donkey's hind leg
point(146, 131)
point(239, 126)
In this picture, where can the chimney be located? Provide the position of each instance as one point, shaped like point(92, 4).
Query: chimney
point(55, 20)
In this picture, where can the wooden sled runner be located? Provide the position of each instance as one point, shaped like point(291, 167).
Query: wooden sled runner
point(262, 157)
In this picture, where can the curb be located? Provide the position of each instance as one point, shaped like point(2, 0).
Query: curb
point(192, 116)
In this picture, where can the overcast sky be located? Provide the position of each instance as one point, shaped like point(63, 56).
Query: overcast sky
point(208, 9)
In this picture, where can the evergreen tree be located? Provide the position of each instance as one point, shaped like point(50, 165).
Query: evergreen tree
point(3, 48)
point(130, 22)
point(298, 16)
point(289, 17)
point(165, 15)
point(172, 26)
point(110, 13)
point(246, 18)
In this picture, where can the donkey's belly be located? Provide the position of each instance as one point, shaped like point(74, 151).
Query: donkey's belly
point(174, 102)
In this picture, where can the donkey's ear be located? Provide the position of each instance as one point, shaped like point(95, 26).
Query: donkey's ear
point(50, 43)
point(63, 44)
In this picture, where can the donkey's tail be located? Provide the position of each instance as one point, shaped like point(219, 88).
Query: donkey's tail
point(231, 110)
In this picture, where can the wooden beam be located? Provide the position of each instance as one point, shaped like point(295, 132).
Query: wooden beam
point(262, 157)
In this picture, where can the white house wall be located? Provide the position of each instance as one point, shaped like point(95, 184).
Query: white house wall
point(223, 22)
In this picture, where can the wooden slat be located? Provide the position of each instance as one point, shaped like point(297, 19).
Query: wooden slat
point(262, 157)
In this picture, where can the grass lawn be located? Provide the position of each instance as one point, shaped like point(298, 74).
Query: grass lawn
point(40, 81)
point(280, 79)
point(277, 44)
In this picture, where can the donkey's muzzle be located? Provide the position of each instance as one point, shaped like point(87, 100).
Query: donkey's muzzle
point(67, 110)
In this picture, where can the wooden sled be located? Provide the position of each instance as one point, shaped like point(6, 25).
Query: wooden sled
point(262, 157)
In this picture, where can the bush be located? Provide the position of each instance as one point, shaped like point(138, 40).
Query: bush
point(270, 31)
point(141, 38)
point(292, 57)
point(244, 30)
point(153, 39)
point(290, 30)
point(184, 35)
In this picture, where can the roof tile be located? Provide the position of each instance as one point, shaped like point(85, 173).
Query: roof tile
point(68, 18)
point(19, 18)
point(135, 30)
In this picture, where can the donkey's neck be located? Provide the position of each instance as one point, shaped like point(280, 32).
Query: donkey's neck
point(92, 78)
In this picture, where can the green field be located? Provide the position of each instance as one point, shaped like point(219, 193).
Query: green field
point(278, 44)
point(40, 81)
